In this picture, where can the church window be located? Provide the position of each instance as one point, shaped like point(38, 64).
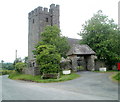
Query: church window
point(33, 21)
point(46, 19)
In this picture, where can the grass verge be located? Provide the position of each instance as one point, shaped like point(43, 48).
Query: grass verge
point(5, 72)
point(17, 76)
point(116, 77)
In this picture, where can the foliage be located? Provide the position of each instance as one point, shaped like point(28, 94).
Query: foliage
point(117, 76)
point(25, 59)
point(8, 66)
point(52, 36)
point(102, 35)
point(80, 68)
point(17, 76)
point(17, 60)
point(20, 66)
point(48, 59)
point(5, 72)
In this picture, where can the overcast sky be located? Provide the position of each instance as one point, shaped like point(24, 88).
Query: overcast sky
point(73, 13)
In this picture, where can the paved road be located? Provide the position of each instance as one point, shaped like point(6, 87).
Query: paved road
point(90, 86)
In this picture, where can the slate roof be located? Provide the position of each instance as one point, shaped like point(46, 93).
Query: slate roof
point(80, 50)
point(72, 41)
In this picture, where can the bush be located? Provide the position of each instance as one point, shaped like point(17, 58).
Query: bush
point(117, 76)
point(5, 72)
point(48, 59)
point(20, 66)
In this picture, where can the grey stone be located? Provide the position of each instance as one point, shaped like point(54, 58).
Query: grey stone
point(38, 19)
point(82, 55)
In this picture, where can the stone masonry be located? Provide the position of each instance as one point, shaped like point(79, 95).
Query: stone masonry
point(38, 19)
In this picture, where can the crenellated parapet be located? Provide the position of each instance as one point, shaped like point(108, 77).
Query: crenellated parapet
point(53, 6)
point(41, 10)
point(38, 10)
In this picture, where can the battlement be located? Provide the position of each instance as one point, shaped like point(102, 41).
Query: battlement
point(53, 6)
point(41, 10)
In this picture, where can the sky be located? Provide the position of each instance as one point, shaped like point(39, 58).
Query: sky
point(73, 14)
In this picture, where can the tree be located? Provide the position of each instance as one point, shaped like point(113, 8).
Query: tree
point(9, 66)
point(2, 63)
point(102, 35)
point(25, 59)
point(20, 66)
point(47, 58)
point(52, 36)
point(17, 60)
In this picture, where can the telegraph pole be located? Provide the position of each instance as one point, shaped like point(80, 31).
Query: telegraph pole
point(2, 63)
point(15, 57)
point(15, 54)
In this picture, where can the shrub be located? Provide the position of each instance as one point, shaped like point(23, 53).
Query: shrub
point(5, 72)
point(20, 66)
point(48, 59)
point(117, 76)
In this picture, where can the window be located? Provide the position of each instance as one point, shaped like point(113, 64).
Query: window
point(33, 21)
point(46, 19)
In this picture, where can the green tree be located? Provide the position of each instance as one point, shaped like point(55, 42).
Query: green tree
point(17, 60)
point(47, 58)
point(8, 66)
point(52, 36)
point(20, 66)
point(102, 35)
point(25, 59)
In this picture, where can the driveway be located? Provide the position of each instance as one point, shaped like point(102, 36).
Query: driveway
point(90, 86)
point(92, 83)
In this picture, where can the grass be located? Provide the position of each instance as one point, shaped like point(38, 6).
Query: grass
point(116, 77)
point(4, 72)
point(17, 76)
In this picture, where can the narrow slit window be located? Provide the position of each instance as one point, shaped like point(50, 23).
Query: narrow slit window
point(33, 21)
point(46, 19)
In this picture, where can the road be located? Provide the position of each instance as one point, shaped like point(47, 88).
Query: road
point(90, 86)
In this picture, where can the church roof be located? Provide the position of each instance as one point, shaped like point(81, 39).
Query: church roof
point(80, 50)
point(72, 41)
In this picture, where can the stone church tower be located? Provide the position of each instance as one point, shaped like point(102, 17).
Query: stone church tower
point(38, 19)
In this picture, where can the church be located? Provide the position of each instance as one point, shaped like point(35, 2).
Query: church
point(38, 19)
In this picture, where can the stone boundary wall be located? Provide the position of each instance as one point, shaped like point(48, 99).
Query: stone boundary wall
point(32, 71)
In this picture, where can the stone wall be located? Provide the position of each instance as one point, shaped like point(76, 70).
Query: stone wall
point(99, 64)
point(90, 63)
point(86, 61)
point(32, 71)
point(74, 62)
point(39, 18)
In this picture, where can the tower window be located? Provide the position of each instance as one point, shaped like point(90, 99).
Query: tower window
point(46, 19)
point(33, 21)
